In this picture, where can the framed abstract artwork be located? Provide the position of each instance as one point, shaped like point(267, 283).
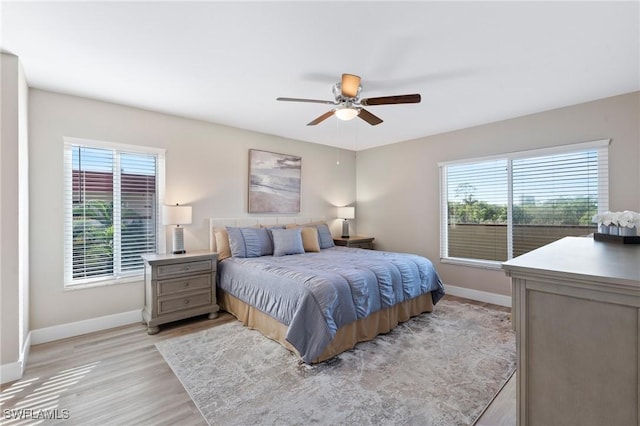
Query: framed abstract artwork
point(274, 182)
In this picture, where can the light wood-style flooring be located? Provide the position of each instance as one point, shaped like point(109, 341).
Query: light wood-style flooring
point(117, 377)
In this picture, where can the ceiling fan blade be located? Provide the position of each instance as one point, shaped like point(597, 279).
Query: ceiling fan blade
point(350, 85)
point(321, 118)
point(387, 100)
point(314, 101)
point(369, 118)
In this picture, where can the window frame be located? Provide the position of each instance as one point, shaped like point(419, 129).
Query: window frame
point(118, 148)
point(601, 145)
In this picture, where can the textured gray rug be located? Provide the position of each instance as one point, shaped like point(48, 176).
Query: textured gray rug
point(441, 368)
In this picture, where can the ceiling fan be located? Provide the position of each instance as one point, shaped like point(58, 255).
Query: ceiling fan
point(348, 103)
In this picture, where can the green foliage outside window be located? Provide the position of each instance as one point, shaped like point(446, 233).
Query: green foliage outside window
point(562, 211)
point(93, 238)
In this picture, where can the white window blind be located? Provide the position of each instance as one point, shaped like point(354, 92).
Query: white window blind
point(477, 210)
point(497, 208)
point(112, 198)
point(554, 196)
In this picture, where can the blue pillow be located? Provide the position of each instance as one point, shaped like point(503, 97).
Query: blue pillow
point(324, 236)
point(266, 239)
point(266, 244)
point(245, 242)
point(287, 241)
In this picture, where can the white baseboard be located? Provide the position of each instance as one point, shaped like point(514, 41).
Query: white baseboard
point(481, 296)
point(10, 372)
point(13, 371)
point(63, 331)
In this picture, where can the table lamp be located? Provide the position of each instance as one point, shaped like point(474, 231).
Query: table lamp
point(177, 215)
point(346, 213)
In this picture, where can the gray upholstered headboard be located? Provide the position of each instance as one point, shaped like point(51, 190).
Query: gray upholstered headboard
point(216, 222)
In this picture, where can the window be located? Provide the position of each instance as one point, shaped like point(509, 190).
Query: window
point(496, 208)
point(112, 198)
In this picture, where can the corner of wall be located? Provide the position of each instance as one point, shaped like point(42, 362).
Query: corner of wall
point(13, 371)
point(14, 220)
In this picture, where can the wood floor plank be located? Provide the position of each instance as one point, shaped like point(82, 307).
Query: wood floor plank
point(117, 376)
point(502, 410)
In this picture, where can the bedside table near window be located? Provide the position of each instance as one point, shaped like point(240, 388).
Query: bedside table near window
point(178, 286)
point(355, 242)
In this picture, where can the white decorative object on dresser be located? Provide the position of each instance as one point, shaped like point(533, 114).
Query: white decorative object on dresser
point(178, 287)
point(576, 311)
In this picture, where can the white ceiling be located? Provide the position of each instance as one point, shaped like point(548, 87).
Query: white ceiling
point(226, 62)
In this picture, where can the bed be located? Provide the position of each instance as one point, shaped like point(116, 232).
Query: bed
point(286, 279)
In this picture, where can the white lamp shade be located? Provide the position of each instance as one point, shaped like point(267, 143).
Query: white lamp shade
point(176, 215)
point(346, 212)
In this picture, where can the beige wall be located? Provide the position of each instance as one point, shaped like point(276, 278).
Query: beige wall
point(14, 218)
point(398, 185)
point(206, 167)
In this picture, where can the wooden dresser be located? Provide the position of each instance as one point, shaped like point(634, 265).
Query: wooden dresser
point(576, 312)
point(178, 286)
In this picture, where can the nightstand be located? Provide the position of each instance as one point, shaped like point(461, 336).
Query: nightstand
point(355, 242)
point(178, 286)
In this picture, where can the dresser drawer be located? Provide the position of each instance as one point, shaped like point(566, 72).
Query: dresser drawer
point(180, 285)
point(183, 268)
point(168, 305)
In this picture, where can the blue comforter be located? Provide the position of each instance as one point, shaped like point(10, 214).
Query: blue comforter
point(314, 294)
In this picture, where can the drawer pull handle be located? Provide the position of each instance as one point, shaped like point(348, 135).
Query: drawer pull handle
point(186, 268)
point(186, 301)
point(186, 284)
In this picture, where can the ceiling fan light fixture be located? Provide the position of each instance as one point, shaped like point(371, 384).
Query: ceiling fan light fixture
point(346, 113)
point(348, 104)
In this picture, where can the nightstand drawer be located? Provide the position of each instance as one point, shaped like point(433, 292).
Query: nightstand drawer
point(368, 246)
point(183, 268)
point(355, 242)
point(180, 285)
point(169, 305)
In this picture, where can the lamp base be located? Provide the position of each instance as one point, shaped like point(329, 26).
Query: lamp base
point(345, 229)
point(178, 241)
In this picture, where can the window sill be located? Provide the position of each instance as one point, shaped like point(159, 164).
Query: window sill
point(473, 263)
point(82, 285)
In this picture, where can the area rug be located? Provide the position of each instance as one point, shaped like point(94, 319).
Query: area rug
point(439, 368)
